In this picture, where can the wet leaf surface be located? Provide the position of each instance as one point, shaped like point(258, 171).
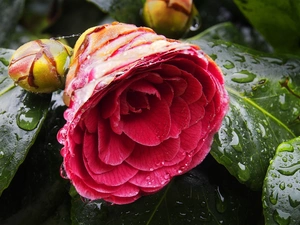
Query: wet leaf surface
point(206, 195)
point(21, 117)
point(281, 191)
point(262, 89)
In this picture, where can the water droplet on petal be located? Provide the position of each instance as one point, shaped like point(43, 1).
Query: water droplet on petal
point(196, 23)
point(63, 172)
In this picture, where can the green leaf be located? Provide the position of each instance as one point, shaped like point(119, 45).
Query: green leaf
point(11, 11)
point(281, 190)
point(126, 11)
point(43, 196)
point(277, 20)
point(207, 195)
point(21, 117)
point(227, 31)
point(264, 108)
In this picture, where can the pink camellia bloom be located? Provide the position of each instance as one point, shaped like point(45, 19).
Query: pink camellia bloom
point(142, 109)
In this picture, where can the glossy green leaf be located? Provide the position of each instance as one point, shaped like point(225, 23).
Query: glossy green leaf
point(277, 20)
point(264, 109)
point(43, 198)
point(281, 190)
point(127, 11)
point(227, 31)
point(21, 117)
point(207, 195)
point(11, 11)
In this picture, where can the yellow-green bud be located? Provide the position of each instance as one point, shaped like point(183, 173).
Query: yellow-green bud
point(172, 18)
point(40, 66)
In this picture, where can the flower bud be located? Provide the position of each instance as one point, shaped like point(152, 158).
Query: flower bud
point(172, 18)
point(40, 66)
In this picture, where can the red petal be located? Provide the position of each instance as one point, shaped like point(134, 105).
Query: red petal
point(180, 116)
point(207, 81)
point(113, 148)
point(150, 127)
point(90, 119)
point(197, 110)
point(127, 190)
point(90, 154)
point(118, 176)
point(193, 91)
point(150, 158)
point(191, 136)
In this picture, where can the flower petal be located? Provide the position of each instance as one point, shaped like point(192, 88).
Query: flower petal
point(149, 158)
point(150, 127)
point(113, 149)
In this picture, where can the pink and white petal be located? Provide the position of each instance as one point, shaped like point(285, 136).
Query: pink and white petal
point(149, 158)
point(150, 127)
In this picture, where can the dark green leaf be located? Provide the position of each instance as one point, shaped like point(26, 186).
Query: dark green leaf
point(44, 195)
point(264, 109)
point(207, 195)
point(229, 32)
point(277, 20)
point(281, 192)
point(127, 11)
point(10, 14)
point(21, 117)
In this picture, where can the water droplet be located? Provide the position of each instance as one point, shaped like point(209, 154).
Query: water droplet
point(205, 216)
point(29, 118)
point(283, 104)
point(262, 130)
point(235, 142)
point(229, 65)
point(289, 170)
point(221, 203)
point(4, 61)
point(240, 58)
point(196, 23)
point(282, 185)
point(285, 147)
point(294, 202)
point(243, 76)
point(63, 172)
point(243, 172)
point(281, 217)
point(1, 154)
point(273, 197)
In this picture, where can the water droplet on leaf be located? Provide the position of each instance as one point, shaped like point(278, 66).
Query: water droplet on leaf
point(221, 203)
point(29, 118)
point(281, 218)
point(243, 172)
point(273, 197)
point(243, 76)
point(229, 65)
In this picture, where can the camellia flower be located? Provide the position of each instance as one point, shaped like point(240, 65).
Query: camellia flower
point(40, 66)
point(142, 109)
